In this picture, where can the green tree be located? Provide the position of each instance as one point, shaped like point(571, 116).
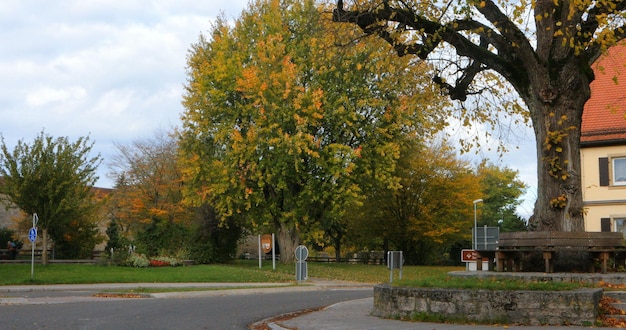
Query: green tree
point(281, 123)
point(501, 191)
point(54, 178)
point(429, 213)
point(212, 240)
point(543, 49)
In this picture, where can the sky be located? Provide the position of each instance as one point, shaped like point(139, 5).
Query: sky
point(114, 70)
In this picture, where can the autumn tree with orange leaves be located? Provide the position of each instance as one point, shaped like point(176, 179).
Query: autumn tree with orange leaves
point(146, 202)
point(287, 119)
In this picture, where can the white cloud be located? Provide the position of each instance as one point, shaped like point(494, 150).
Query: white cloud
point(110, 69)
point(521, 155)
point(45, 96)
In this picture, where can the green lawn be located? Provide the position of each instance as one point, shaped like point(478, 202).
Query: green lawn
point(247, 271)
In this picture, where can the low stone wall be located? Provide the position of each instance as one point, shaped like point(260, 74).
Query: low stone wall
point(576, 307)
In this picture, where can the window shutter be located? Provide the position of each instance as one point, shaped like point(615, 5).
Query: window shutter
point(603, 164)
point(605, 224)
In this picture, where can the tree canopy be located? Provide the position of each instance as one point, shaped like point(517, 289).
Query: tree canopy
point(146, 203)
point(501, 190)
point(286, 116)
point(54, 178)
point(543, 49)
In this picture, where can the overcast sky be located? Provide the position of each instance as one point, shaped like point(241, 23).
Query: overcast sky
point(115, 70)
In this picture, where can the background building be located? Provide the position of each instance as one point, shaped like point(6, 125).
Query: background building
point(603, 145)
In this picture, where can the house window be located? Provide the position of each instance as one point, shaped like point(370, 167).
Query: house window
point(620, 225)
point(619, 171)
point(616, 173)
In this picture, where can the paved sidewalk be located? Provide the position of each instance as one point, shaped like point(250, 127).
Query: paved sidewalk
point(355, 314)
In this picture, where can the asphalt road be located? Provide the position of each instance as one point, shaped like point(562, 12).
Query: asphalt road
point(225, 311)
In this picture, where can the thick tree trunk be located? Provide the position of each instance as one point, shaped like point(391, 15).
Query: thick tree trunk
point(556, 110)
point(288, 239)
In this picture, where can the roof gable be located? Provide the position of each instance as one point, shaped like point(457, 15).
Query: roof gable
point(604, 120)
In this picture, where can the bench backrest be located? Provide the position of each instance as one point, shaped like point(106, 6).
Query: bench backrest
point(561, 239)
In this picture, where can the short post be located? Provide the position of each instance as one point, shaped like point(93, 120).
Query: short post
point(394, 261)
point(301, 268)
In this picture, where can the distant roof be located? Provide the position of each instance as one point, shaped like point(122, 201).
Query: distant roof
point(604, 116)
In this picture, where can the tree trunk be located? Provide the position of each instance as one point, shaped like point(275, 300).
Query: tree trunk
point(288, 239)
point(44, 247)
point(556, 110)
point(337, 245)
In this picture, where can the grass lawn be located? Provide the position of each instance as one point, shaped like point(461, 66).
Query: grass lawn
point(247, 271)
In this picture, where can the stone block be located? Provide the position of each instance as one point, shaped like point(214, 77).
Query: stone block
point(576, 307)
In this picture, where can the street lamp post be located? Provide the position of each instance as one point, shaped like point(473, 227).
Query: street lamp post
point(475, 224)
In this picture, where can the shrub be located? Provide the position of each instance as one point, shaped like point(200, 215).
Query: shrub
point(138, 260)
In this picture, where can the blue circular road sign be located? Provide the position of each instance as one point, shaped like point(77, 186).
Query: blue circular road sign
point(32, 234)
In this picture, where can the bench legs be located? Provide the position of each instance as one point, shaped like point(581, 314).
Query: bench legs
point(485, 255)
point(548, 257)
point(604, 261)
point(511, 261)
point(508, 261)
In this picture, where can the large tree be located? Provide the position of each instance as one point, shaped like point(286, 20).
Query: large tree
point(53, 178)
point(285, 117)
point(428, 213)
point(548, 64)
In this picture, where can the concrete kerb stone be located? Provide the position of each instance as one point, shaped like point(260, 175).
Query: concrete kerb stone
point(186, 290)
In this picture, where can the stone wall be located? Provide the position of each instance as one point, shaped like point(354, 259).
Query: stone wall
point(576, 307)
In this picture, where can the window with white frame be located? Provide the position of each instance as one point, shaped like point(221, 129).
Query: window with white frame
point(619, 171)
point(620, 225)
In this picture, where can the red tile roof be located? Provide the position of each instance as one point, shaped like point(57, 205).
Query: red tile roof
point(604, 117)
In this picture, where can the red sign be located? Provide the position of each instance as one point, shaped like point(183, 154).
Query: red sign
point(266, 243)
point(469, 255)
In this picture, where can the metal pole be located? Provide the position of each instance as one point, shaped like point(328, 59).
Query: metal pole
point(260, 251)
point(401, 262)
point(485, 238)
point(273, 253)
point(390, 258)
point(475, 225)
point(32, 261)
point(32, 251)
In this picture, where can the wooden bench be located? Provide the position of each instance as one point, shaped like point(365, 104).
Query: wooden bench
point(601, 245)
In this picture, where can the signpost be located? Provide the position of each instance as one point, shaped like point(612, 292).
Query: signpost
point(395, 260)
point(267, 244)
point(32, 237)
point(301, 269)
point(468, 255)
